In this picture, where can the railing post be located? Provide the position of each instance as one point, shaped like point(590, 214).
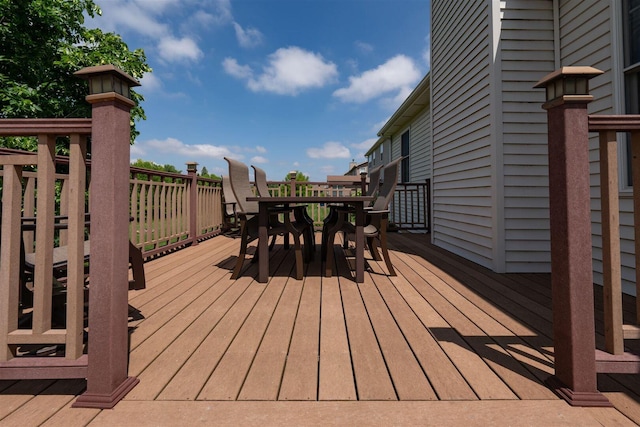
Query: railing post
point(192, 169)
point(107, 380)
point(292, 177)
point(570, 221)
point(363, 182)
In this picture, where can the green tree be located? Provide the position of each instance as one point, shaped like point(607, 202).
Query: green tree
point(300, 188)
point(205, 174)
point(42, 43)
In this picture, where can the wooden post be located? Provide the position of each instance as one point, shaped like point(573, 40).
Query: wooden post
point(363, 183)
point(571, 266)
point(192, 169)
point(107, 380)
point(292, 177)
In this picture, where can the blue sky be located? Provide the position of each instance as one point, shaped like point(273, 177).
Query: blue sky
point(283, 84)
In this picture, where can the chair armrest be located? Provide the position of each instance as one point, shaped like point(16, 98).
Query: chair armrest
point(372, 212)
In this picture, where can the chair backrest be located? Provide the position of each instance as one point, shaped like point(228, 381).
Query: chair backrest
point(374, 181)
point(239, 179)
point(229, 197)
point(261, 182)
point(389, 182)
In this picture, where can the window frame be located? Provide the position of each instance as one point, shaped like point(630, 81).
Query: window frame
point(405, 151)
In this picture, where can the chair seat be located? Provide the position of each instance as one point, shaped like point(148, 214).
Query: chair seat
point(60, 256)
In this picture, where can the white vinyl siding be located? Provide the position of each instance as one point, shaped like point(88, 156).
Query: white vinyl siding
point(420, 147)
point(527, 55)
point(586, 39)
point(461, 113)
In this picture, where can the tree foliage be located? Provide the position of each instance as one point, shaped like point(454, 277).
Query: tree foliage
point(42, 43)
point(205, 174)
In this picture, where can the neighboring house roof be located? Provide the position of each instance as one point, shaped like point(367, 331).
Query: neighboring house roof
point(355, 169)
point(417, 100)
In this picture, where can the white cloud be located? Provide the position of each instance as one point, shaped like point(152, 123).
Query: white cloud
point(330, 150)
point(363, 47)
point(398, 73)
point(261, 149)
point(259, 159)
point(149, 83)
point(196, 151)
point(366, 144)
point(172, 49)
point(426, 54)
point(289, 71)
point(250, 37)
point(236, 70)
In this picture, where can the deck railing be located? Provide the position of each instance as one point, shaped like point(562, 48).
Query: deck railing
point(576, 358)
point(409, 209)
point(41, 330)
point(161, 209)
point(608, 127)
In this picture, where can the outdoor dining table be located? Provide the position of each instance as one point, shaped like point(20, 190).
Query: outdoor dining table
point(264, 203)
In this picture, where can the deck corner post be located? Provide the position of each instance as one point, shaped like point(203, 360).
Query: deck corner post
point(108, 357)
point(570, 225)
point(192, 170)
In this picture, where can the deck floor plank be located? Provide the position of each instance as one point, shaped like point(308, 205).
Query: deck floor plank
point(406, 373)
point(456, 332)
point(370, 370)
point(158, 373)
point(264, 377)
point(229, 375)
point(336, 379)
point(36, 411)
point(443, 375)
point(444, 328)
point(300, 376)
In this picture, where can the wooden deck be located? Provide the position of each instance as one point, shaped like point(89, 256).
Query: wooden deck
point(444, 343)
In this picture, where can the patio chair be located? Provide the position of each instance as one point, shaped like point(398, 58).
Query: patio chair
point(377, 222)
point(303, 221)
point(230, 216)
point(332, 217)
point(60, 256)
point(248, 216)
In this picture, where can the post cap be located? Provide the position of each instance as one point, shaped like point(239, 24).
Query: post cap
point(192, 166)
point(568, 81)
point(107, 78)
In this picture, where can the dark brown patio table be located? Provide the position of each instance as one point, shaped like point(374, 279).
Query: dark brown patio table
point(264, 203)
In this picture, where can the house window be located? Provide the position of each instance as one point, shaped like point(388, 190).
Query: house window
point(631, 25)
point(405, 155)
point(381, 153)
point(631, 40)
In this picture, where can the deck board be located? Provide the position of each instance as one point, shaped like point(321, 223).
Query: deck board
point(444, 331)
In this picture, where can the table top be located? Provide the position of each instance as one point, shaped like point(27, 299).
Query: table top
point(312, 199)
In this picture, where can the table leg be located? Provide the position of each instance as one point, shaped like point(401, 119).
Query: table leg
point(359, 242)
point(263, 244)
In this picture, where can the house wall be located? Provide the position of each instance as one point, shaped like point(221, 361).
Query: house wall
point(526, 54)
point(463, 192)
point(420, 147)
point(588, 31)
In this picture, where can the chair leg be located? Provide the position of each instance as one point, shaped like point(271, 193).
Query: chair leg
point(243, 250)
point(385, 251)
point(328, 255)
point(297, 246)
point(373, 248)
point(299, 262)
point(331, 235)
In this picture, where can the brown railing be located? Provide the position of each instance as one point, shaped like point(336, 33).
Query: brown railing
point(161, 207)
point(410, 206)
point(608, 127)
point(43, 184)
